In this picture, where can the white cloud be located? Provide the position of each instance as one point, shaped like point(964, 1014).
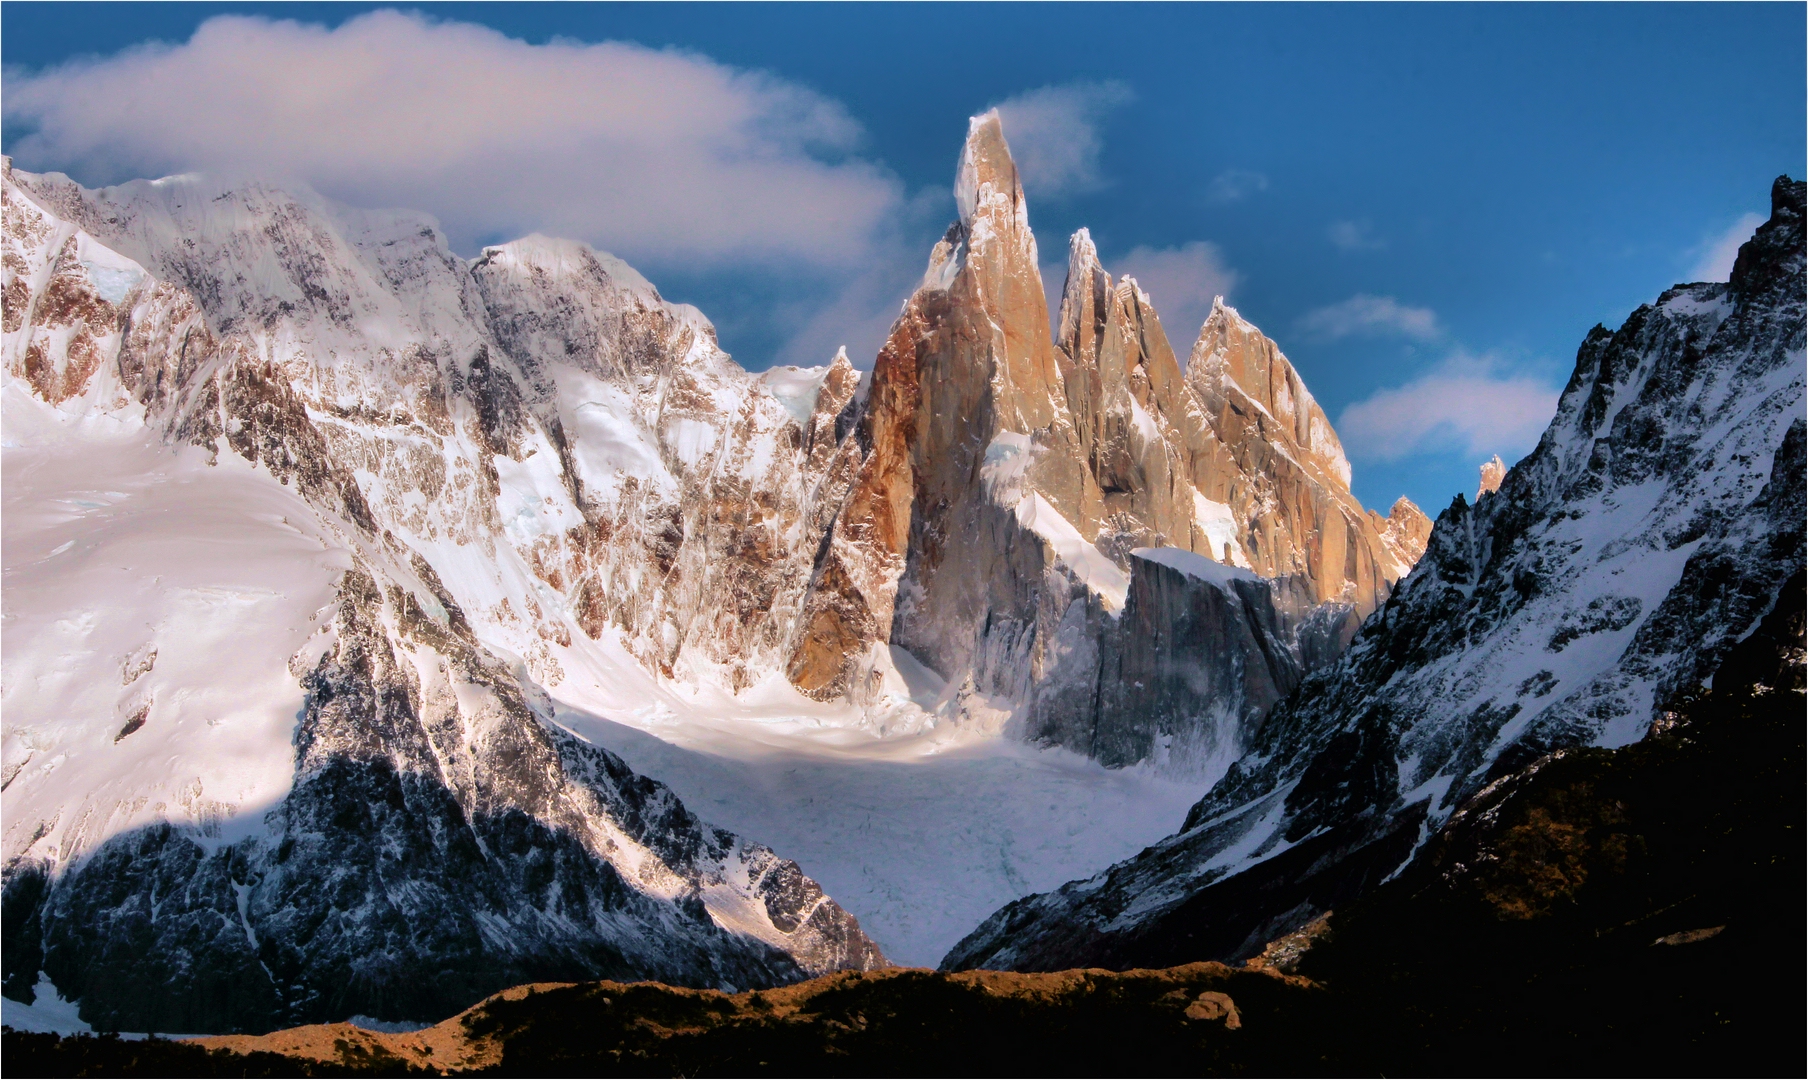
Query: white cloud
point(1234, 184)
point(1055, 138)
point(1355, 236)
point(1467, 404)
point(1718, 254)
point(646, 152)
point(1371, 315)
point(1181, 282)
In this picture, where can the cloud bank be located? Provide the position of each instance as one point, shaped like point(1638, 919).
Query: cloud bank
point(692, 170)
point(1467, 404)
point(1367, 315)
point(1055, 135)
point(1716, 263)
point(634, 149)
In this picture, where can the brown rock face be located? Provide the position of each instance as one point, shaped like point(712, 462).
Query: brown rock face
point(970, 358)
point(1139, 431)
point(849, 606)
point(1289, 488)
point(1009, 475)
point(1494, 471)
point(1404, 532)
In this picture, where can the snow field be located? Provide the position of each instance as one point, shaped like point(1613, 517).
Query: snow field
point(919, 838)
point(152, 604)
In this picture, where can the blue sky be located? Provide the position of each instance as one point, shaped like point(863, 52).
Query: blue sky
point(1427, 206)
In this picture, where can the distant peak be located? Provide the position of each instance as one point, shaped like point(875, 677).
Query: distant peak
point(562, 256)
point(1080, 246)
point(1132, 287)
point(1493, 472)
point(985, 163)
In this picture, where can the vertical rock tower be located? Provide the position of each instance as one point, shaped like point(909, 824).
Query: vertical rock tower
point(1016, 484)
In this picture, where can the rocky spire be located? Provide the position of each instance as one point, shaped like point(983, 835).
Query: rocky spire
point(1011, 474)
point(1493, 472)
point(969, 367)
point(1232, 358)
point(1083, 302)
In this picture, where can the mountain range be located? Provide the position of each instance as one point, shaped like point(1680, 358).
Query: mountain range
point(312, 525)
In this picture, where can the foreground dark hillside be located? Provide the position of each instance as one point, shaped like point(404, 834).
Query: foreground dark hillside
point(1600, 912)
point(1605, 911)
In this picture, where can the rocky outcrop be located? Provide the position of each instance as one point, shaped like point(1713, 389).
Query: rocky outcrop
point(1614, 568)
point(1201, 654)
point(1494, 471)
point(1404, 531)
point(697, 489)
point(1291, 480)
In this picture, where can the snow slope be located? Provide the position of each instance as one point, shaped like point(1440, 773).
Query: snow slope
point(920, 842)
point(511, 512)
point(152, 605)
point(918, 835)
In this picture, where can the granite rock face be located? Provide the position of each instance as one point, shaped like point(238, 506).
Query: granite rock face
point(1613, 569)
point(1010, 477)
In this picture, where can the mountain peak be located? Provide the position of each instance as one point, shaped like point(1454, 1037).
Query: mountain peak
point(986, 181)
point(1233, 356)
point(1081, 251)
point(1772, 258)
point(1494, 471)
point(562, 258)
point(1082, 296)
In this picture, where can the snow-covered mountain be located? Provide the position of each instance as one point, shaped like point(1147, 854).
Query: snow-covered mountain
point(318, 538)
point(277, 746)
point(1609, 570)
